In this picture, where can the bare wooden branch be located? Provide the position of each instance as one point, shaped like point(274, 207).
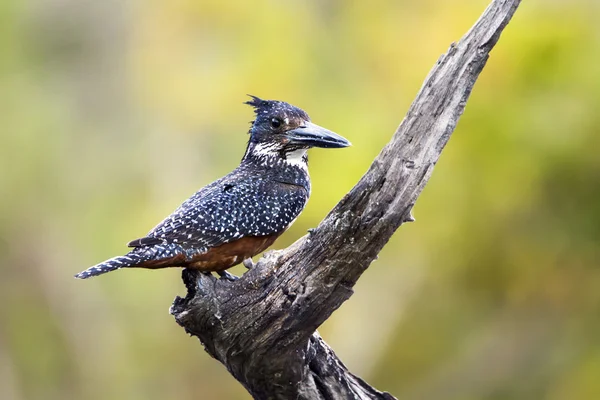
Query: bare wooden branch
point(263, 326)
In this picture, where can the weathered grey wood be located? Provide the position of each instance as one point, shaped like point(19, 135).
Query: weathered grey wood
point(263, 326)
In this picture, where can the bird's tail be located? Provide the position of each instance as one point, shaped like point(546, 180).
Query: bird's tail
point(110, 265)
point(159, 256)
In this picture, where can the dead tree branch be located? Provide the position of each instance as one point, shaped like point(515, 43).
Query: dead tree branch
point(263, 326)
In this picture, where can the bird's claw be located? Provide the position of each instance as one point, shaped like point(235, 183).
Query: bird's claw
point(227, 276)
point(248, 263)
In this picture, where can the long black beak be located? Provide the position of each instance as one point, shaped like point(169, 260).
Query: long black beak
point(315, 136)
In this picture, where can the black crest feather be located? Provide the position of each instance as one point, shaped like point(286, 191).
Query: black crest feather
point(257, 103)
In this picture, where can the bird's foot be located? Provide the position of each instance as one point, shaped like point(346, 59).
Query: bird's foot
point(248, 263)
point(227, 276)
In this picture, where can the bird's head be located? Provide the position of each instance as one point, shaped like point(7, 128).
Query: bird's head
point(282, 129)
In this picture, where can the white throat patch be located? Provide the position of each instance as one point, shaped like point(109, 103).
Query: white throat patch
point(296, 158)
point(271, 153)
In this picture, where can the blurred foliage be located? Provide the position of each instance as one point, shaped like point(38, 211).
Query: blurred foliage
point(114, 112)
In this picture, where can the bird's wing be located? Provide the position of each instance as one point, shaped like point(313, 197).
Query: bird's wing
point(225, 211)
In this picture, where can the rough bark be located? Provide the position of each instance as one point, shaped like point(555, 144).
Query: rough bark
point(263, 326)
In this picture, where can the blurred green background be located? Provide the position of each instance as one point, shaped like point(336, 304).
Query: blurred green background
point(114, 112)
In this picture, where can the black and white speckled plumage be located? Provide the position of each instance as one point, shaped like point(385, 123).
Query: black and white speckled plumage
point(261, 197)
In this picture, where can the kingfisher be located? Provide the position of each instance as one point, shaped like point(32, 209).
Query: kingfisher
point(241, 214)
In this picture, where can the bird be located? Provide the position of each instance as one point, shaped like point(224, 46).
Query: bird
point(238, 216)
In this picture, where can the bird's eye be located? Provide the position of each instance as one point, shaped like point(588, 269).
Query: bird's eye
point(275, 122)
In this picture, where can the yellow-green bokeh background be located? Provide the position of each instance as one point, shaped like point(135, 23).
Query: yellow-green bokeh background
point(113, 112)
